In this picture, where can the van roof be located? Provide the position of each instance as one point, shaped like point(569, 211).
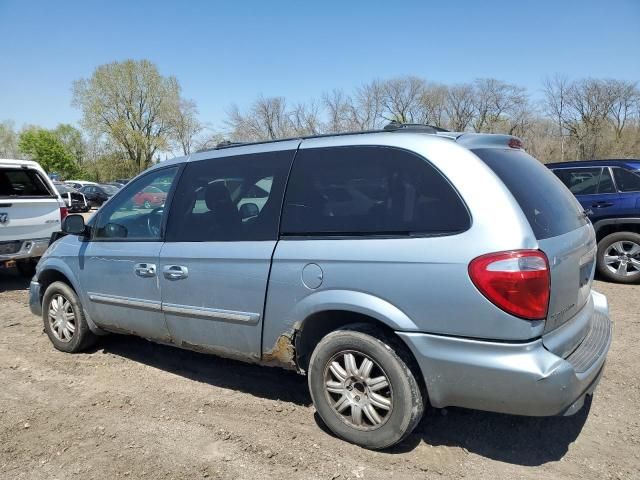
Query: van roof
point(633, 163)
point(467, 139)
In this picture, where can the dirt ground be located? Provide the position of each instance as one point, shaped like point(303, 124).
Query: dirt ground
point(132, 409)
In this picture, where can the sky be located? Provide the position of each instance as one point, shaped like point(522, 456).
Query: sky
point(231, 52)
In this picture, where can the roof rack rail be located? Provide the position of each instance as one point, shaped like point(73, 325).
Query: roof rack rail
point(228, 143)
point(219, 145)
point(395, 126)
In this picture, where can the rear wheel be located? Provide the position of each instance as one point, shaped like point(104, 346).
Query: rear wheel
point(363, 388)
point(64, 320)
point(619, 257)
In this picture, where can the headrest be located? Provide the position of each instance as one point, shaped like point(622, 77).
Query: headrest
point(216, 194)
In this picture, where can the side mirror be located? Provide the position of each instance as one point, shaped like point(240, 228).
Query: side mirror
point(248, 210)
point(74, 225)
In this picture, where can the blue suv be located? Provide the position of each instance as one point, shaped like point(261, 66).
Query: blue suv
point(609, 191)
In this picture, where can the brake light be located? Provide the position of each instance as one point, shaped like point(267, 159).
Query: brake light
point(63, 213)
point(515, 143)
point(518, 282)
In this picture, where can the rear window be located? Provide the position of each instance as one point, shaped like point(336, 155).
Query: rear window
point(22, 182)
point(549, 206)
point(366, 190)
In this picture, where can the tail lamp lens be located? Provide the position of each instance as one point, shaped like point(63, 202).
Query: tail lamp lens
point(63, 213)
point(518, 281)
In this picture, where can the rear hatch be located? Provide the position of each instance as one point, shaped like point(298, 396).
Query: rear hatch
point(562, 229)
point(29, 207)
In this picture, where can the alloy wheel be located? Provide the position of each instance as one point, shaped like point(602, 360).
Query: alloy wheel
point(358, 389)
point(623, 258)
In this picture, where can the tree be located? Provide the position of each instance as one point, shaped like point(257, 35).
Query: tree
point(72, 140)
point(460, 106)
point(186, 125)
point(266, 119)
point(44, 147)
point(132, 104)
point(555, 104)
point(8, 140)
point(402, 99)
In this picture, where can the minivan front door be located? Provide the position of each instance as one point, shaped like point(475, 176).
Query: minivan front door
point(221, 234)
point(119, 265)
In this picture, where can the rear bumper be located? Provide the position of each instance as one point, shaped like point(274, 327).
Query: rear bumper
point(28, 249)
point(514, 378)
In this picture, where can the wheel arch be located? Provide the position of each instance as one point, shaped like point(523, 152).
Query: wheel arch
point(55, 271)
point(325, 311)
point(608, 226)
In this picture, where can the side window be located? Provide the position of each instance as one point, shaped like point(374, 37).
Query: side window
point(367, 191)
point(128, 218)
point(581, 181)
point(606, 182)
point(234, 198)
point(626, 181)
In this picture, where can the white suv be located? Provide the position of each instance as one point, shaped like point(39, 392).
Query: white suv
point(30, 211)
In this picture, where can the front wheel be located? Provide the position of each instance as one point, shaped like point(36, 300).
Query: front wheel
point(64, 320)
point(363, 388)
point(619, 257)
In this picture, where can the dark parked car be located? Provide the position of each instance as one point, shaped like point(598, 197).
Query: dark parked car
point(609, 191)
point(98, 194)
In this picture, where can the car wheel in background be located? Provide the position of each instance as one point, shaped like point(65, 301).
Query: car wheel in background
point(619, 257)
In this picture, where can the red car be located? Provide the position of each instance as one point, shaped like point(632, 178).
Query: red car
point(150, 197)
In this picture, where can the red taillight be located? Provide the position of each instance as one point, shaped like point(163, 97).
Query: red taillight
point(63, 213)
point(515, 143)
point(518, 281)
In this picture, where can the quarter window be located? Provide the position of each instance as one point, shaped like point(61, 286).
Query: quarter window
point(626, 181)
point(230, 199)
point(369, 191)
point(133, 214)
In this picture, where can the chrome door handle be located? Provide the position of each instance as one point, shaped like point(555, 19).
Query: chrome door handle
point(175, 272)
point(145, 269)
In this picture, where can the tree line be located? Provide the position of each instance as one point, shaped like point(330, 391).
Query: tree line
point(130, 114)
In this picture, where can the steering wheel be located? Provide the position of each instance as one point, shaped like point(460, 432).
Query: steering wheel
point(154, 221)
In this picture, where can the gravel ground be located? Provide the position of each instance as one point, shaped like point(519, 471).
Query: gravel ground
point(132, 409)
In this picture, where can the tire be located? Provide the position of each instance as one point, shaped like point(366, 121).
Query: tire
point(395, 415)
point(626, 267)
point(147, 204)
point(80, 337)
point(27, 267)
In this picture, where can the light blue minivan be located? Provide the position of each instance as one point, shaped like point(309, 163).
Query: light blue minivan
point(395, 268)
